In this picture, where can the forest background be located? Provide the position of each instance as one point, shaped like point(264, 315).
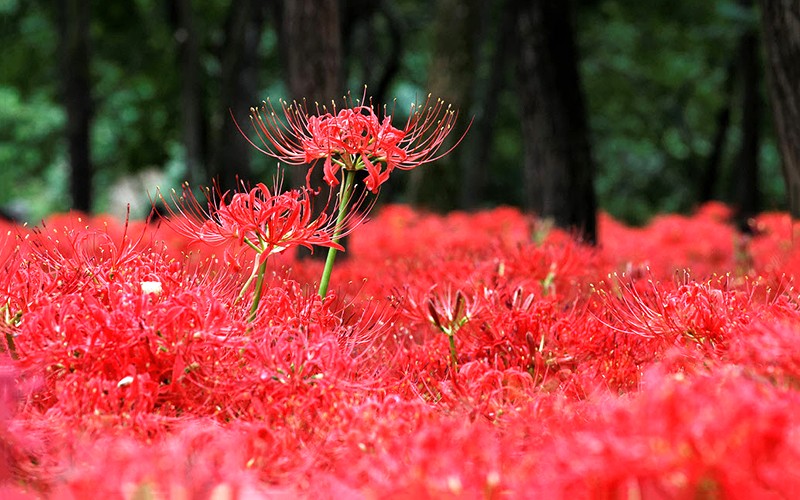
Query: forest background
point(100, 102)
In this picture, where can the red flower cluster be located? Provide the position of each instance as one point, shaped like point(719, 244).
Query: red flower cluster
point(267, 222)
point(567, 384)
point(354, 138)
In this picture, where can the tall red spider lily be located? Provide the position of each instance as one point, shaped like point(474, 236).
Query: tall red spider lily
point(267, 222)
point(354, 138)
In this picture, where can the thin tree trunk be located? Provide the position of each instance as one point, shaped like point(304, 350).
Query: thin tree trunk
point(710, 177)
point(314, 49)
point(487, 84)
point(452, 71)
point(558, 166)
point(378, 20)
point(191, 91)
point(76, 88)
point(391, 64)
point(312, 42)
point(781, 31)
point(239, 89)
point(748, 199)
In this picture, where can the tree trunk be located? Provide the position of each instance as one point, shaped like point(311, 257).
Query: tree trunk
point(76, 94)
point(452, 71)
point(748, 198)
point(191, 91)
point(492, 51)
point(369, 21)
point(239, 88)
point(558, 166)
point(312, 43)
point(781, 29)
point(710, 176)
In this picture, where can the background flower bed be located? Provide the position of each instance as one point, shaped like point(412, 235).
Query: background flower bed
point(663, 364)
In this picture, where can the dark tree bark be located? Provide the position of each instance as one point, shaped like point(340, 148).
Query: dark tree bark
point(452, 71)
point(381, 79)
point(492, 51)
point(312, 44)
point(710, 177)
point(748, 197)
point(373, 39)
point(311, 38)
point(781, 31)
point(558, 166)
point(76, 94)
point(191, 90)
point(239, 88)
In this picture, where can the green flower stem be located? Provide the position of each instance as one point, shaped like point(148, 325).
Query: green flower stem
point(11, 321)
point(345, 192)
point(259, 269)
point(262, 269)
point(247, 283)
point(453, 354)
point(12, 349)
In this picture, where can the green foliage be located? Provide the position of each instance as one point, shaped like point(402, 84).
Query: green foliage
point(654, 76)
point(31, 156)
point(136, 115)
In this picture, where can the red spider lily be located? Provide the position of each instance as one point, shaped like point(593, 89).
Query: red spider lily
point(569, 384)
point(268, 223)
point(354, 138)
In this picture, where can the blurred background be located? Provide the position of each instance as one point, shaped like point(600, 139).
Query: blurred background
point(630, 107)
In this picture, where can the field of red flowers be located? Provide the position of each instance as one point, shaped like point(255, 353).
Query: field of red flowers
point(462, 356)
